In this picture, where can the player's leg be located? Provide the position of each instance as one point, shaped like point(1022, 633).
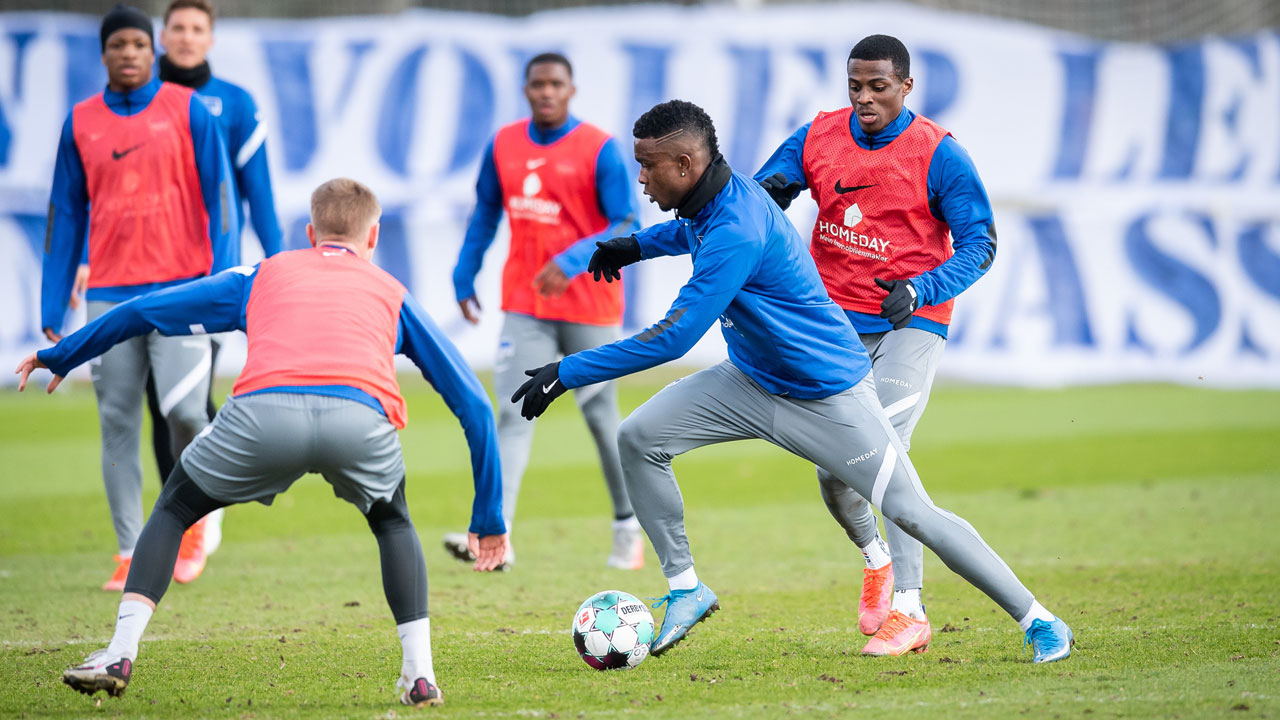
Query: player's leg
point(854, 514)
point(180, 366)
point(118, 377)
point(524, 342)
point(599, 405)
point(254, 450)
point(714, 405)
point(880, 470)
point(161, 439)
point(181, 504)
point(358, 452)
point(213, 523)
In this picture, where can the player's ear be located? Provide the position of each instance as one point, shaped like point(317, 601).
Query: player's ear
point(311, 234)
point(907, 85)
point(373, 236)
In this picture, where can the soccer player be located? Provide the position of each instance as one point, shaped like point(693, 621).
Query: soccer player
point(796, 376)
point(904, 225)
point(318, 394)
point(141, 166)
point(564, 186)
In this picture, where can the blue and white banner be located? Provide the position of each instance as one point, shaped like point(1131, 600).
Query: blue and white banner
point(1137, 187)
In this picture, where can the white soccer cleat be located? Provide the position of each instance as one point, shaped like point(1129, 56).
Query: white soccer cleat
point(628, 545)
point(100, 671)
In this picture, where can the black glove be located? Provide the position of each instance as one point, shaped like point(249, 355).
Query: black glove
point(780, 190)
point(611, 256)
point(539, 390)
point(897, 308)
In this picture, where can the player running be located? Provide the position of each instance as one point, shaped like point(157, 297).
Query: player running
point(318, 394)
point(141, 166)
point(904, 225)
point(796, 376)
point(564, 186)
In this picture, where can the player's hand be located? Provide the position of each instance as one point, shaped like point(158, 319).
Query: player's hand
point(470, 308)
point(79, 287)
point(539, 390)
point(488, 549)
point(780, 190)
point(901, 302)
point(27, 366)
point(52, 336)
point(613, 255)
point(550, 280)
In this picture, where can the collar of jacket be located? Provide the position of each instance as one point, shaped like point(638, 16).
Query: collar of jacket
point(713, 180)
point(192, 77)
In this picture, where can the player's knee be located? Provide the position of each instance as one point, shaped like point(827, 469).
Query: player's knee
point(637, 437)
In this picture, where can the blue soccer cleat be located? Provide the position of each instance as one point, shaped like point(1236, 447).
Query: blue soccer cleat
point(685, 608)
point(1051, 641)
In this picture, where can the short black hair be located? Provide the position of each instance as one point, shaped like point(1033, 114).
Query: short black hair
point(672, 115)
point(884, 47)
point(547, 57)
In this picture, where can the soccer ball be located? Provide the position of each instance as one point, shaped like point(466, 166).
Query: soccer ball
point(612, 630)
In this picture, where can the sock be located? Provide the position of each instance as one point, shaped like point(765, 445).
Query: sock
point(628, 523)
point(131, 621)
point(907, 602)
point(876, 554)
point(686, 580)
point(415, 641)
point(126, 554)
point(1037, 612)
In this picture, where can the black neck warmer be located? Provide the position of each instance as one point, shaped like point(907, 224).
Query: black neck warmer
point(193, 77)
point(713, 180)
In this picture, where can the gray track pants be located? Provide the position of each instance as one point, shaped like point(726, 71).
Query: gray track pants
point(903, 363)
point(527, 343)
point(847, 433)
point(181, 368)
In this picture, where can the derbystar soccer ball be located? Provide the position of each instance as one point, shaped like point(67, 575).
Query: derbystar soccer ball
point(612, 630)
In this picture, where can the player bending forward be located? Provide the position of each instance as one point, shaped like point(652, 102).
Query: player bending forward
point(318, 394)
point(796, 376)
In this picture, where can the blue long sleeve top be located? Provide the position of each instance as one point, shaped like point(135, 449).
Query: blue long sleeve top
point(66, 238)
point(219, 303)
point(956, 196)
point(613, 193)
point(753, 273)
point(245, 136)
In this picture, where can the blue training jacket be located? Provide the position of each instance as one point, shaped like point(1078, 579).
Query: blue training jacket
point(245, 135)
point(66, 237)
point(613, 192)
point(753, 273)
point(956, 195)
point(219, 303)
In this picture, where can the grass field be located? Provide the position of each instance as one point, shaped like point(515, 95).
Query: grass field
point(1148, 517)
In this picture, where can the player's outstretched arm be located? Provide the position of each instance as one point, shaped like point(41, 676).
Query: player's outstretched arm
point(443, 366)
point(208, 305)
point(782, 175)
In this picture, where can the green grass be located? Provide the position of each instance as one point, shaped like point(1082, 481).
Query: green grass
point(1146, 516)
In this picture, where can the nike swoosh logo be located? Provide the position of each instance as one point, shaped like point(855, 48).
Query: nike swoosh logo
point(117, 154)
point(125, 616)
point(547, 388)
point(842, 190)
point(699, 596)
point(535, 164)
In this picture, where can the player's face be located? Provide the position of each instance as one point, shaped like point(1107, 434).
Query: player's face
point(187, 37)
point(548, 90)
point(660, 173)
point(876, 93)
point(128, 57)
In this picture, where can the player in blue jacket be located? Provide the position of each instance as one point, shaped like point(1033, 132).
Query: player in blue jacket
point(318, 394)
point(141, 189)
point(796, 376)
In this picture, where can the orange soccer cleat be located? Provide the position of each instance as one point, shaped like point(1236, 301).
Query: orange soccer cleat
point(191, 555)
point(116, 583)
point(877, 593)
point(899, 635)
